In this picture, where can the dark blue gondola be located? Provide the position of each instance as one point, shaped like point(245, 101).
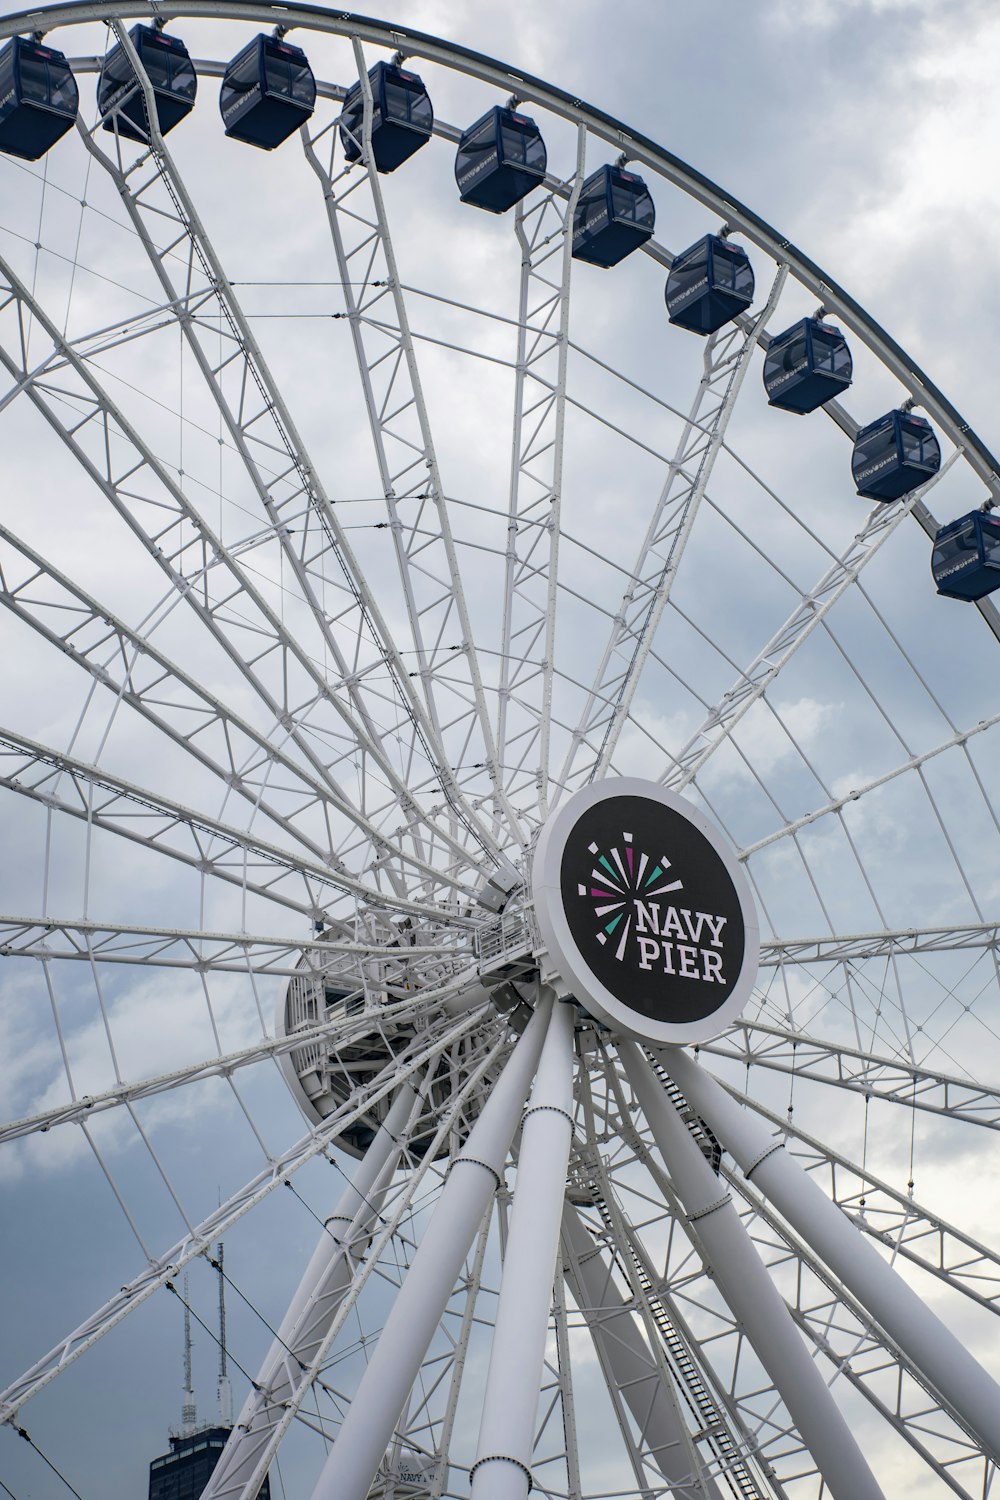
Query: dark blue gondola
point(38, 98)
point(500, 159)
point(614, 216)
point(894, 455)
point(402, 117)
point(171, 73)
point(267, 93)
point(806, 366)
point(966, 557)
point(710, 283)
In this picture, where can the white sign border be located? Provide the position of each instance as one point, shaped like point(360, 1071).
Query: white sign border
point(562, 948)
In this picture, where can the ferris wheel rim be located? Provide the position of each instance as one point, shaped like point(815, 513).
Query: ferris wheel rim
point(834, 297)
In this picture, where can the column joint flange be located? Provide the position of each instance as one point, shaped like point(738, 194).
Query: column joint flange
point(503, 1458)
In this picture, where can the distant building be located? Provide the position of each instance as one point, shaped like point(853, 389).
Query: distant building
point(183, 1473)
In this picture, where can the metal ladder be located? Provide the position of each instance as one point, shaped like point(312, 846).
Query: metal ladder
point(706, 1142)
point(713, 1428)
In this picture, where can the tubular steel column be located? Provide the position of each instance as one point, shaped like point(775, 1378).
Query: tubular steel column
point(430, 1280)
point(947, 1365)
point(314, 1304)
point(751, 1294)
point(502, 1470)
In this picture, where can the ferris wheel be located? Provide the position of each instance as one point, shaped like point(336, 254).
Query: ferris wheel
point(489, 713)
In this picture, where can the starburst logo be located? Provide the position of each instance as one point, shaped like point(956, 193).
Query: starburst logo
point(621, 885)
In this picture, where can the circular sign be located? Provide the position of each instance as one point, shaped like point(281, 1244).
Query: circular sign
point(645, 912)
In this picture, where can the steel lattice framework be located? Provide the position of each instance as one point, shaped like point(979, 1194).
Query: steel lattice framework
point(354, 554)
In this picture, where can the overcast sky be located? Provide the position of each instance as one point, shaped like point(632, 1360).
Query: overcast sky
point(865, 131)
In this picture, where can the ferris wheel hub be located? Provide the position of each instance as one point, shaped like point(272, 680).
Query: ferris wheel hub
point(646, 915)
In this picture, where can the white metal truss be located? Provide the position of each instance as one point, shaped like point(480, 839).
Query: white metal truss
point(895, 1218)
point(837, 804)
point(677, 1387)
point(841, 1330)
point(866, 1358)
point(216, 952)
point(853, 947)
point(416, 502)
point(223, 850)
point(361, 779)
point(752, 1427)
point(297, 1361)
point(216, 1224)
point(284, 675)
point(759, 1044)
point(726, 361)
point(88, 1105)
point(781, 648)
point(127, 662)
point(544, 231)
point(262, 430)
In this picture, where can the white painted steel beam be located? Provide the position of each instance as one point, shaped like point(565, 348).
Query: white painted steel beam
point(837, 804)
point(475, 1174)
point(45, 937)
point(129, 664)
point(426, 553)
point(502, 1468)
point(315, 1301)
point(127, 1093)
point(900, 1222)
point(261, 426)
point(751, 1294)
point(278, 1171)
point(200, 567)
point(858, 946)
point(303, 1374)
point(461, 1349)
point(141, 815)
point(894, 1079)
point(770, 661)
point(544, 233)
point(866, 1356)
point(630, 1367)
point(944, 1362)
point(726, 362)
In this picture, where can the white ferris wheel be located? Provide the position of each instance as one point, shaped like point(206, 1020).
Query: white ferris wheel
point(529, 769)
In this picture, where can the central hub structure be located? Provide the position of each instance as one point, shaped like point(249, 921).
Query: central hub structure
point(645, 912)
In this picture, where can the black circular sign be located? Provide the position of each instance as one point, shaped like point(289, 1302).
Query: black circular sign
point(652, 909)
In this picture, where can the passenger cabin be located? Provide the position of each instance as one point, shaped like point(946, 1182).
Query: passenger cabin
point(38, 98)
point(966, 557)
point(500, 159)
point(894, 455)
point(402, 117)
point(806, 366)
point(710, 283)
point(267, 93)
point(120, 97)
point(614, 216)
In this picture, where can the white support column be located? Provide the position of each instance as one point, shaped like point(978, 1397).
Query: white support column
point(314, 1304)
point(751, 1294)
point(963, 1384)
point(430, 1280)
point(502, 1470)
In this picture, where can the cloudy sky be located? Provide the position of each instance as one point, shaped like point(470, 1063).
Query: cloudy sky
point(865, 132)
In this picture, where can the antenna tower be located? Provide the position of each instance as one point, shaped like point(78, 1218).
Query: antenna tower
point(188, 1413)
point(225, 1389)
